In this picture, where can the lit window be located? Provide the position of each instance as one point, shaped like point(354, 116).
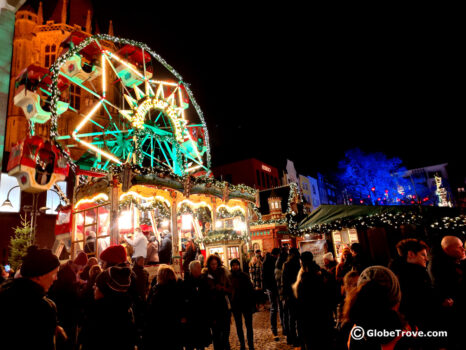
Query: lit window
point(6, 184)
point(53, 200)
point(75, 96)
point(50, 55)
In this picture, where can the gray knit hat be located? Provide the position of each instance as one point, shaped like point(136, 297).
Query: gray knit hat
point(385, 277)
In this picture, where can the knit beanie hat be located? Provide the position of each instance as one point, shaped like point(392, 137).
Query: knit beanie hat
point(115, 279)
point(38, 262)
point(386, 278)
point(81, 259)
point(115, 254)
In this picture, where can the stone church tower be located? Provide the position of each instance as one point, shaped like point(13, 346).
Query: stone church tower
point(36, 42)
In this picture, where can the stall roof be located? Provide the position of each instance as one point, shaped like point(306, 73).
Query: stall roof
point(326, 214)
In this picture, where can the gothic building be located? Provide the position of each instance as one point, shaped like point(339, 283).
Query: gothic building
point(38, 35)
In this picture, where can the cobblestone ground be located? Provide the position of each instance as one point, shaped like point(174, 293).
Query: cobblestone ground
point(263, 338)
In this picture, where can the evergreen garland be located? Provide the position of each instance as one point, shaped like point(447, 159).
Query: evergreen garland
point(225, 213)
point(163, 210)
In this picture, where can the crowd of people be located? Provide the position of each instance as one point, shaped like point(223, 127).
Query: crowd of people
point(109, 303)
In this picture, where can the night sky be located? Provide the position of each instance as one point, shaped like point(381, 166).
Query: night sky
point(283, 82)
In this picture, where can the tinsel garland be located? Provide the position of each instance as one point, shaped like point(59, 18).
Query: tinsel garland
point(389, 220)
point(163, 211)
point(55, 92)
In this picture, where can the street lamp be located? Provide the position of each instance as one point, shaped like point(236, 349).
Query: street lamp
point(28, 208)
point(7, 203)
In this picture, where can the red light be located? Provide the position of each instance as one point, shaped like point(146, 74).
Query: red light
point(361, 202)
point(412, 202)
point(373, 189)
point(386, 191)
point(351, 199)
point(368, 196)
point(414, 196)
point(402, 201)
point(378, 199)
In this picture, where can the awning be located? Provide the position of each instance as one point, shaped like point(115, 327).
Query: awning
point(326, 214)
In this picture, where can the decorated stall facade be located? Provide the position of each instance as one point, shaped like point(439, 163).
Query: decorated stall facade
point(379, 228)
point(275, 217)
point(163, 202)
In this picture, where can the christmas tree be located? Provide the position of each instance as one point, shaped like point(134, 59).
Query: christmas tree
point(19, 243)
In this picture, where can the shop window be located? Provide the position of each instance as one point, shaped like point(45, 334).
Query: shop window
point(6, 184)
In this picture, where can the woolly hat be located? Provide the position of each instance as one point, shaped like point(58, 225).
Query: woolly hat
point(115, 279)
point(38, 262)
point(385, 278)
point(115, 254)
point(81, 259)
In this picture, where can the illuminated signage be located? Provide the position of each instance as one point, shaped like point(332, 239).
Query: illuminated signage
point(266, 168)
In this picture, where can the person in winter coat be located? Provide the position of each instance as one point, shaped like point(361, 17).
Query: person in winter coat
point(255, 273)
point(84, 275)
point(314, 304)
point(219, 283)
point(417, 298)
point(189, 255)
point(330, 264)
point(374, 305)
point(29, 318)
point(139, 244)
point(165, 251)
point(242, 303)
point(197, 331)
point(448, 274)
point(166, 312)
point(65, 293)
point(278, 279)
point(290, 274)
point(109, 324)
point(345, 265)
point(152, 257)
point(359, 259)
point(270, 286)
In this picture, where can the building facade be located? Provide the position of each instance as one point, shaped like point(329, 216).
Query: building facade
point(38, 33)
point(428, 183)
point(250, 172)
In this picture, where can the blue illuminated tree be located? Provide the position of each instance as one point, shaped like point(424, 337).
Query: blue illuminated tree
point(373, 178)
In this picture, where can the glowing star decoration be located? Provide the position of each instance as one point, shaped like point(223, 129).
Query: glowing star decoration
point(147, 101)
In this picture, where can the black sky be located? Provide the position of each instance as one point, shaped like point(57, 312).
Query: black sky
point(283, 82)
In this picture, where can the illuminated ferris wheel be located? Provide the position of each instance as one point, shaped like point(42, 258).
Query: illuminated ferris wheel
point(133, 108)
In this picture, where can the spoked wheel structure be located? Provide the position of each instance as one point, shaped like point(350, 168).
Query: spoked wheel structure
point(127, 105)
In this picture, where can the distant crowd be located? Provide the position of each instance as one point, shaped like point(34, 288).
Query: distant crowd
point(110, 303)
